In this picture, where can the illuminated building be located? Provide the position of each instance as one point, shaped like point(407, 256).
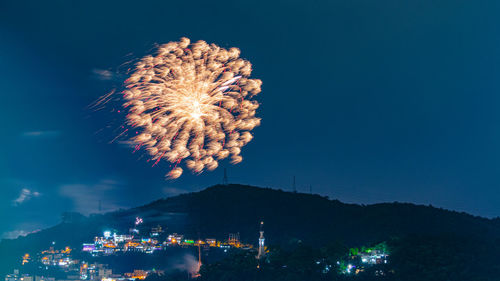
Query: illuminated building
point(188, 242)
point(84, 271)
point(156, 231)
point(175, 238)
point(103, 272)
point(234, 240)
point(122, 238)
point(42, 278)
point(13, 277)
point(137, 274)
point(359, 260)
point(88, 247)
point(26, 278)
point(212, 242)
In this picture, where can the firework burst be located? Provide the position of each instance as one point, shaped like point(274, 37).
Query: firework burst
point(192, 104)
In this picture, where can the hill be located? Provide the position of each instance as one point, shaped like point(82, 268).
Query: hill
point(219, 210)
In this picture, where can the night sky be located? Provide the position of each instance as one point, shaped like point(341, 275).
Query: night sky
point(365, 101)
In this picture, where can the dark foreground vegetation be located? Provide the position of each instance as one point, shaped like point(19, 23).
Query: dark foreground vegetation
point(414, 258)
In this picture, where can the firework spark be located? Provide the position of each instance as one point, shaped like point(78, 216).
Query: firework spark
point(192, 104)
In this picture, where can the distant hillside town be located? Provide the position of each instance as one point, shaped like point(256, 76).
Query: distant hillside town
point(67, 264)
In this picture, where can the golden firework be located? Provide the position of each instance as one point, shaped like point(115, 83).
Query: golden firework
point(192, 103)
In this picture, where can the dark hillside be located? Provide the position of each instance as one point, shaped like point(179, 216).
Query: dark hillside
point(219, 210)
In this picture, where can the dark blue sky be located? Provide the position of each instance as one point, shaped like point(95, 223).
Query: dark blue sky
point(367, 101)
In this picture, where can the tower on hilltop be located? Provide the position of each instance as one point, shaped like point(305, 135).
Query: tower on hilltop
point(262, 250)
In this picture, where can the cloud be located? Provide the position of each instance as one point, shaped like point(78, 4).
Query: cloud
point(24, 196)
point(102, 74)
point(89, 198)
point(172, 191)
point(41, 134)
point(16, 233)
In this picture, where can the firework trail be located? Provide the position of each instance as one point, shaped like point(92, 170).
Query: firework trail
point(192, 104)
